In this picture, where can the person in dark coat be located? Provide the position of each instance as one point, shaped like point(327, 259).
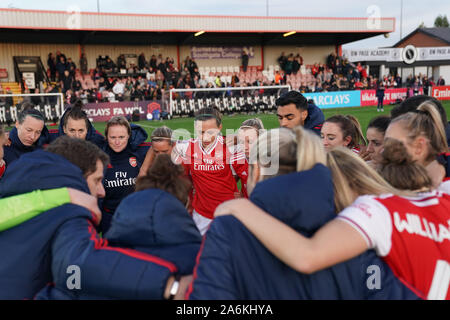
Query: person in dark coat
point(152, 220)
point(29, 134)
point(244, 60)
point(294, 110)
point(380, 96)
point(126, 148)
point(64, 237)
point(75, 123)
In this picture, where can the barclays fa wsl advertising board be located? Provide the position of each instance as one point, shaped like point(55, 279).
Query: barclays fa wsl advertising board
point(335, 99)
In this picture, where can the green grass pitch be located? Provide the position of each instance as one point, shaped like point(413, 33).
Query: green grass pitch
point(363, 114)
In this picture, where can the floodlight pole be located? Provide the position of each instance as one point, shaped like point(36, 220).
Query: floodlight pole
point(267, 8)
point(98, 6)
point(401, 19)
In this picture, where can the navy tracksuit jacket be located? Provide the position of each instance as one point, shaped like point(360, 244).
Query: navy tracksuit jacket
point(121, 174)
point(92, 135)
point(315, 119)
point(17, 148)
point(151, 221)
point(41, 250)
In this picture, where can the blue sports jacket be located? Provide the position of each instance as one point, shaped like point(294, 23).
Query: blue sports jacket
point(42, 250)
point(150, 221)
point(315, 119)
point(121, 174)
point(92, 135)
point(17, 148)
point(233, 264)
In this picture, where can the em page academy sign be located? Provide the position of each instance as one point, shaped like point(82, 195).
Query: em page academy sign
point(408, 55)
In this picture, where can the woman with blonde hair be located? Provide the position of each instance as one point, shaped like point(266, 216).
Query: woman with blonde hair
point(235, 265)
point(423, 134)
point(410, 233)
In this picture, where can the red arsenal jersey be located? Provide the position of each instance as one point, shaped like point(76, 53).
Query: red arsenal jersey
point(211, 172)
point(411, 234)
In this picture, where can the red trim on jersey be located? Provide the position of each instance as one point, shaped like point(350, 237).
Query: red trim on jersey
point(53, 130)
point(359, 228)
point(2, 170)
point(410, 287)
point(102, 244)
point(145, 144)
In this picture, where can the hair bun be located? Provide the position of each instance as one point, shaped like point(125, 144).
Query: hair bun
point(395, 153)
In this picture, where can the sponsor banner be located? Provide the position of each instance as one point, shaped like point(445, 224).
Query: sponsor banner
point(388, 54)
point(369, 97)
point(441, 93)
point(409, 54)
point(335, 99)
point(217, 52)
point(103, 111)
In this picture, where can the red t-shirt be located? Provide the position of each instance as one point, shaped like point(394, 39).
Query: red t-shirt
point(211, 172)
point(412, 235)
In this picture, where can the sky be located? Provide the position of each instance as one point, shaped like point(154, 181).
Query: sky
point(414, 11)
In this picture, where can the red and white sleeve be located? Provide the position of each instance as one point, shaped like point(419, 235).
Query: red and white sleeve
point(372, 220)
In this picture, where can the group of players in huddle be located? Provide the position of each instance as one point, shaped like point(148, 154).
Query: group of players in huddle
point(318, 204)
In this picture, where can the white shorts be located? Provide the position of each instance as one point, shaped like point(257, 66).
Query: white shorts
point(201, 222)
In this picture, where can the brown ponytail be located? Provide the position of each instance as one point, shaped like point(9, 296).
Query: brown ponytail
point(167, 176)
point(350, 127)
point(426, 121)
point(400, 170)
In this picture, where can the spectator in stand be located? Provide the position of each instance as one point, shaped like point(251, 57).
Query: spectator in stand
point(71, 67)
point(289, 64)
point(282, 59)
point(83, 64)
point(141, 61)
point(440, 82)
point(66, 81)
point(51, 62)
point(338, 68)
point(121, 62)
point(153, 62)
point(59, 55)
point(119, 87)
point(296, 65)
point(61, 66)
point(331, 61)
point(109, 65)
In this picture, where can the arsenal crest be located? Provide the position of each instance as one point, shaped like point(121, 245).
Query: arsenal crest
point(133, 162)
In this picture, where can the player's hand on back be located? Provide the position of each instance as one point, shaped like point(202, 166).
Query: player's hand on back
point(85, 200)
point(233, 207)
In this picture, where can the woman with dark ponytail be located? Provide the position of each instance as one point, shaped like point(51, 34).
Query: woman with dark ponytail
point(76, 124)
